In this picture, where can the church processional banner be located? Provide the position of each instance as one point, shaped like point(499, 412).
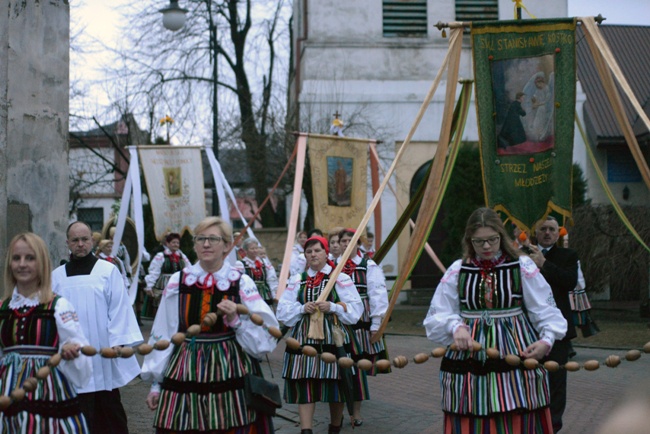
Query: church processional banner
point(174, 177)
point(525, 91)
point(339, 180)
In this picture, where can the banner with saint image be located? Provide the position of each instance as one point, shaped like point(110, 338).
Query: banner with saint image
point(525, 93)
point(339, 180)
point(174, 177)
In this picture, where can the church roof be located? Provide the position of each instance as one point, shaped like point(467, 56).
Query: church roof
point(631, 48)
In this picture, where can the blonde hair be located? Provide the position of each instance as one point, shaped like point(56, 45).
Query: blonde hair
point(226, 230)
point(97, 237)
point(103, 244)
point(43, 267)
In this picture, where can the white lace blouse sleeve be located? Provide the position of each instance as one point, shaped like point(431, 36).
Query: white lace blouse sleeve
point(581, 278)
point(271, 278)
point(290, 310)
point(377, 295)
point(78, 370)
point(444, 312)
point(298, 262)
point(164, 326)
point(254, 339)
point(154, 269)
point(540, 304)
point(347, 292)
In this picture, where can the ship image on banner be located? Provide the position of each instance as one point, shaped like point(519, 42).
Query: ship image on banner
point(525, 92)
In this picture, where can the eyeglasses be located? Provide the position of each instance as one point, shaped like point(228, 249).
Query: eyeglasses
point(213, 239)
point(479, 242)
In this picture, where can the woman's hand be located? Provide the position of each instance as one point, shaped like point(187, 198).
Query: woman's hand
point(310, 307)
point(462, 338)
point(323, 306)
point(537, 350)
point(70, 351)
point(152, 400)
point(229, 309)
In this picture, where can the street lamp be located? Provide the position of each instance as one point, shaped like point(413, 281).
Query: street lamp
point(174, 19)
point(173, 16)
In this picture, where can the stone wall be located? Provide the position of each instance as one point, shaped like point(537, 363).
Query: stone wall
point(34, 93)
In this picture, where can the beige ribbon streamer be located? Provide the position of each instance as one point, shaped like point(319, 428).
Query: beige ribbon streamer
point(455, 44)
point(432, 191)
point(301, 144)
point(427, 247)
point(605, 62)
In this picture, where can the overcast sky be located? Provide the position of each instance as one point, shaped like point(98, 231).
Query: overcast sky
point(101, 21)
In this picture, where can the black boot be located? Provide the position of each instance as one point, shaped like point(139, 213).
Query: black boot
point(334, 429)
point(306, 431)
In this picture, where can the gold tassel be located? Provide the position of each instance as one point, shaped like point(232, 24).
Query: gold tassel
point(444, 33)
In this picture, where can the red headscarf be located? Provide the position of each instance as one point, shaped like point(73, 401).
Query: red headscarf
point(321, 240)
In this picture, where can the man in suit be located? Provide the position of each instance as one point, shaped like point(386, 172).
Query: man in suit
point(559, 266)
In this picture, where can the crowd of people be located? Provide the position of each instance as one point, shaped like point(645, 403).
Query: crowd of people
point(513, 294)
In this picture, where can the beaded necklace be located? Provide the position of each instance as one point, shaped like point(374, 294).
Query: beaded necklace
point(488, 283)
point(24, 314)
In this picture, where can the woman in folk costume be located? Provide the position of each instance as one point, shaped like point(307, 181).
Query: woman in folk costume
point(104, 249)
point(370, 282)
point(334, 245)
point(262, 273)
point(298, 260)
point(309, 379)
point(161, 268)
point(499, 299)
point(198, 386)
point(34, 325)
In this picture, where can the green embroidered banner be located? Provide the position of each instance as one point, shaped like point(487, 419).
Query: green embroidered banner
point(525, 92)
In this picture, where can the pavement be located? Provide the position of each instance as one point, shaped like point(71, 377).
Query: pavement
point(407, 401)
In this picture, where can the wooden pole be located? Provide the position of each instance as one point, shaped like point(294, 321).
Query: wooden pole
point(454, 40)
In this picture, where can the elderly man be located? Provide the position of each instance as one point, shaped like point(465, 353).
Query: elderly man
point(559, 266)
point(96, 289)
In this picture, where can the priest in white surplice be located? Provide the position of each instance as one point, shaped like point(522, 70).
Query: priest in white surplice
point(96, 289)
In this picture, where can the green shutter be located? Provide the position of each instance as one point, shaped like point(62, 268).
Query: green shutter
point(407, 18)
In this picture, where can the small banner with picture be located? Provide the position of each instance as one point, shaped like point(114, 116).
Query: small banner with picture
point(174, 177)
point(525, 74)
point(339, 176)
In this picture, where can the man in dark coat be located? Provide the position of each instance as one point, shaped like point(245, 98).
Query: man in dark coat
point(559, 266)
point(512, 132)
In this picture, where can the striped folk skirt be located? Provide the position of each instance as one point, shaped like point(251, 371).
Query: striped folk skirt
point(265, 292)
point(150, 303)
point(309, 379)
point(483, 393)
point(52, 407)
point(203, 389)
point(534, 422)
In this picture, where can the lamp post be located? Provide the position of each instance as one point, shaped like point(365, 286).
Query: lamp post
point(174, 19)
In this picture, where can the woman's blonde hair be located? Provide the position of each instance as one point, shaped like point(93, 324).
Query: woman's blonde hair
point(43, 267)
point(225, 228)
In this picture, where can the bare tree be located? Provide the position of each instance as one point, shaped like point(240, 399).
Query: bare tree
point(173, 74)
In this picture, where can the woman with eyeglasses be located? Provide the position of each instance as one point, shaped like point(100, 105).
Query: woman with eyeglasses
point(198, 386)
point(499, 299)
